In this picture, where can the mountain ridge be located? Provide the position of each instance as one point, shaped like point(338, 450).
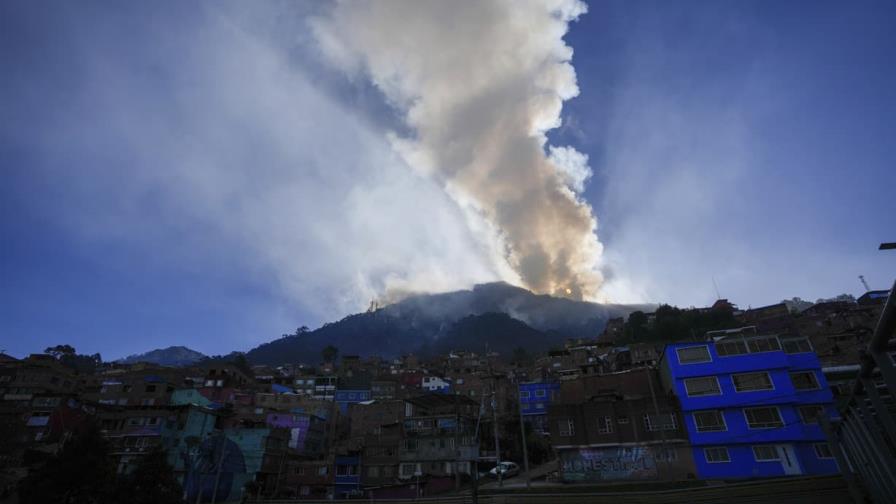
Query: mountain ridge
point(431, 323)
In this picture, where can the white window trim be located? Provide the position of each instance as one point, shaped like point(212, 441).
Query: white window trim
point(727, 453)
point(604, 425)
point(757, 338)
point(775, 448)
point(808, 371)
point(781, 418)
point(809, 342)
point(721, 414)
point(770, 380)
point(684, 383)
point(678, 355)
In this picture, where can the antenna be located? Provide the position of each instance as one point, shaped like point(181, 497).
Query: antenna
point(864, 283)
point(714, 284)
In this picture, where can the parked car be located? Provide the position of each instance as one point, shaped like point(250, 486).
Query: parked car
point(508, 470)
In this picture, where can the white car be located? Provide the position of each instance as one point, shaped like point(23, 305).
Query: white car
point(508, 470)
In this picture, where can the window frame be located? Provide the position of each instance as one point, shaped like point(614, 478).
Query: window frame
point(775, 408)
point(706, 452)
point(771, 447)
point(797, 341)
point(683, 363)
point(604, 425)
point(729, 343)
point(771, 383)
point(570, 428)
point(806, 372)
point(719, 414)
point(714, 377)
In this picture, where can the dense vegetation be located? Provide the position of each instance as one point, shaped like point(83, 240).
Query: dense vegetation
point(674, 324)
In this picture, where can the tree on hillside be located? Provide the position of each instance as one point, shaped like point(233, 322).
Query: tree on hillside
point(301, 331)
point(60, 351)
point(329, 353)
point(635, 328)
point(67, 356)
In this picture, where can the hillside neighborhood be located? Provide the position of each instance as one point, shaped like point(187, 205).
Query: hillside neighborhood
point(745, 401)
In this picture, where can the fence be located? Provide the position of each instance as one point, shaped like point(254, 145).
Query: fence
point(863, 440)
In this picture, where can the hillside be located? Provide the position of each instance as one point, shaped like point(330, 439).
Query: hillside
point(461, 320)
point(172, 356)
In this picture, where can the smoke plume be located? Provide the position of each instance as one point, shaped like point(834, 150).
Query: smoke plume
point(479, 84)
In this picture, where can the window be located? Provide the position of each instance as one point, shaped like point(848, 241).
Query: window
point(388, 471)
point(605, 425)
point(811, 414)
point(300, 470)
point(407, 470)
point(539, 405)
point(540, 393)
point(763, 418)
point(209, 383)
point(709, 421)
point(373, 472)
point(693, 355)
point(666, 421)
point(305, 490)
point(322, 471)
point(765, 453)
point(126, 388)
point(747, 382)
point(716, 455)
point(622, 420)
point(796, 345)
point(150, 388)
point(703, 386)
point(567, 427)
point(804, 380)
point(823, 451)
point(728, 348)
point(524, 394)
point(763, 344)
point(153, 421)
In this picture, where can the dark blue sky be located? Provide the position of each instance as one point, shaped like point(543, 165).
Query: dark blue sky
point(750, 142)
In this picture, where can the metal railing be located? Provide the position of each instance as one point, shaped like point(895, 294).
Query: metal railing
point(863, 440)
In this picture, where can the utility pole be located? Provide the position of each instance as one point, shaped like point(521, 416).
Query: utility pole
point(525, 449)
point(497, 440)
point(475, 469)
point(656, 410)
point(220, 466)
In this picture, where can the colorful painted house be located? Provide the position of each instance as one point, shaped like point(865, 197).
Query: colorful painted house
point(535, 399)
point(751, 405)
point(347, 476)
point(306, 431)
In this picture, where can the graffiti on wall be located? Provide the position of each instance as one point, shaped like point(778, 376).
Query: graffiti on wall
point(598, 464)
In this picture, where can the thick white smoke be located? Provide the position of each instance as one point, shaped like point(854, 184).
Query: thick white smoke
point(480, 83)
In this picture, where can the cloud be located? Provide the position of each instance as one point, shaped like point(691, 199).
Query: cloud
point(479, 85)
point(213, 149)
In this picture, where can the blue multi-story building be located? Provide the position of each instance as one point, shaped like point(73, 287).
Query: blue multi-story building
point(345, 397)
point(347, 479)
point(751, 405)
point(535, 399)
